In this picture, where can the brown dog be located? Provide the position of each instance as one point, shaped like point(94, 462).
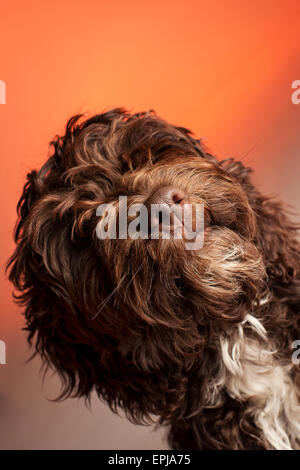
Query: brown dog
point(199, 340)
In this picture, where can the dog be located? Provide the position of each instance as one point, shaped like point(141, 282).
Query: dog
point(200, 341)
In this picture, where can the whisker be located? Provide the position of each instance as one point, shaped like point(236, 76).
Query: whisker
point(107, 299)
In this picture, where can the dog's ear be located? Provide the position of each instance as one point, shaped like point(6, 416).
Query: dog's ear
point(17, 262)
point(276, 235)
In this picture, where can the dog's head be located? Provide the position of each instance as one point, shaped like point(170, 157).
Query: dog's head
point(133, 318)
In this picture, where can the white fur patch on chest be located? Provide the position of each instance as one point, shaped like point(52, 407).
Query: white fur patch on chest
point(253, 373)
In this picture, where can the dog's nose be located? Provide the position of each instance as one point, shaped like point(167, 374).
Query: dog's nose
point(168, 195)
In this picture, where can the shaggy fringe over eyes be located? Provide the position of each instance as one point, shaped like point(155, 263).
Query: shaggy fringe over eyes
point(140, 321)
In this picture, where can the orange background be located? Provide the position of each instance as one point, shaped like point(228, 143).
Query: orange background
point(222, 68)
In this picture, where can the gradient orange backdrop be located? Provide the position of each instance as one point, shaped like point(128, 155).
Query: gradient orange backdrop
point(221, 68)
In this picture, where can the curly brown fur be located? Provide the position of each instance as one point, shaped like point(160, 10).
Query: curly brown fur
point(158, 346)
